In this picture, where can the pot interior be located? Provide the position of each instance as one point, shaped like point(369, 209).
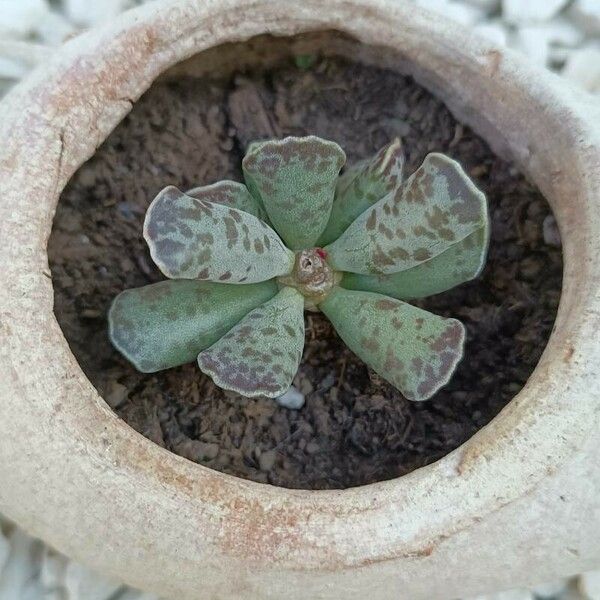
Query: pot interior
point(192, 128)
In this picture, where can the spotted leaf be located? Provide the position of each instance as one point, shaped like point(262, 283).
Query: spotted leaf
point(437, 208)
point(295, 180)
point(192, 238)
point(261, 354)
point(458, 264)
point(361, 186)
point(232, 194)
point(168, 323)
point(411, 348)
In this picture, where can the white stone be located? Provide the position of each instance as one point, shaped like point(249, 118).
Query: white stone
point(52, 569)
point(4, 551)
point(23, 53)
point(132, 594)
point(494, 31)
point(87, 14)
point(552, 589)
point(532, 42)
point(519, 12)
point(571, 593)
point(80, 582)
point(589, 585)
point(291, 399)
point(53, 595)
point(561, 31)
point(12, 69)
point(30, 571)
point(586, 14)
point(20, 568)
point(115, 394)
point(583, 68)
point(551, 232)
point(487, 5)
point(5, 85)
point(558, 56)
point(33, 590)
point(431, 4)
point(21, 17)
point(546, 41)
point(464, 14)
point(54, 29)
point(18, 57)
point(516, 594)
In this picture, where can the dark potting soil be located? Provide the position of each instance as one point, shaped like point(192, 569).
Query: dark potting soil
point(354, 428)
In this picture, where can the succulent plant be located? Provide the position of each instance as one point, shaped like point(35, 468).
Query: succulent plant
point(245, 261)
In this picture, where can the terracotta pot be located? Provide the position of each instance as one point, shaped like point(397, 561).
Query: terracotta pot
point(516, 504)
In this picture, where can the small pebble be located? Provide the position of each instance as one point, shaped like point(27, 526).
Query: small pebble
point(583, 68)
point(11, 68)
point(521, 12)
point(54, 29)
point(531, 41)
point(487, 5)
point(516, 594)
point(551, 232)
point(19, 566)
point(458, 12)
point(87, 14)
point(267, 460)
point(305, 386)
point(52, 569)
point(20, 17)
point(494, 31)
point(135, 595)
point(115, 394)
point(312, 448)
point(4, 550)
point(292, 399)
point(206, 450)
point(551, 590)
point(463, 13)
point(589, 585)
point(586, 14)
point(546, 41)
point(562, 32)
point(327, 382)
point(81, 582)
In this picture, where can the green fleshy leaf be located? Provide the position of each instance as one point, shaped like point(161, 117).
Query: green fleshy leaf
point(460, 263)
point(232, 194)
point(261, 354)
point(295, 179)
point(361, 186)
point(191, 238)
point(438, 207)
point(166, 324)
point(414, 350)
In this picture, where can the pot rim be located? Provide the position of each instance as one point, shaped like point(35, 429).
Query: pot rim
point(73, 471)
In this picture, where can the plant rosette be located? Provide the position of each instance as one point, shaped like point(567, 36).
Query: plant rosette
point(244, 261)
